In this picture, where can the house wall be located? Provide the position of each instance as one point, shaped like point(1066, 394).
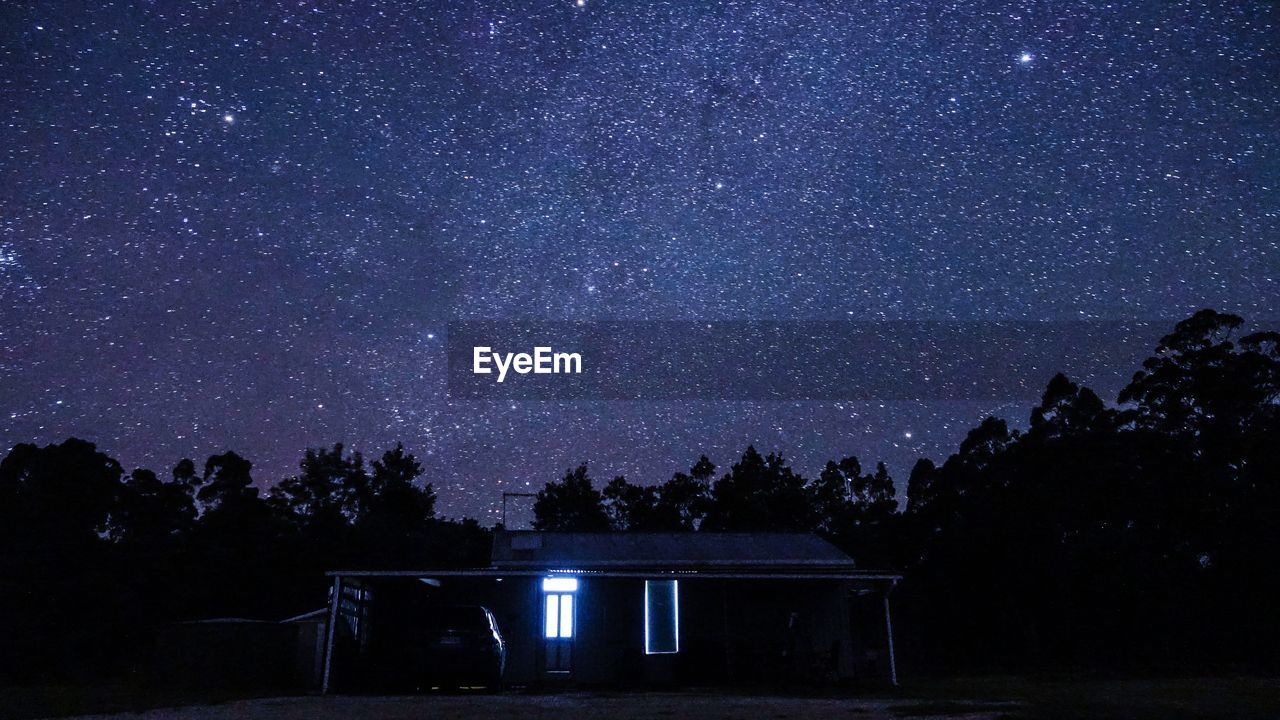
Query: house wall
point(731, 631)
point(764, 631)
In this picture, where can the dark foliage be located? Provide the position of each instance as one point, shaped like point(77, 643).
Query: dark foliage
point(1137, 537)
point(759, 493)
point(93, 561)
point(571, 504)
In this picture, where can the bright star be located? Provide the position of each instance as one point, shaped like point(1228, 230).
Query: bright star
point(228, 118)
point(1026, 57)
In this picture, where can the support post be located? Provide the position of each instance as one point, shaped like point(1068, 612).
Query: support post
point(888, 627)
point(331, 632)
point(724, 632)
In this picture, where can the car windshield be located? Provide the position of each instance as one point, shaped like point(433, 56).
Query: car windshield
point(457, 618)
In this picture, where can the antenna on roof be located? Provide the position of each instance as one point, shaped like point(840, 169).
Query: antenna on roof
point(506, 495)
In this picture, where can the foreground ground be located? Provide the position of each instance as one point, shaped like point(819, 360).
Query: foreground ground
point(576, 705)
point(980, 699)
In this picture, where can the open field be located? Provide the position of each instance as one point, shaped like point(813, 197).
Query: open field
point(977, 699)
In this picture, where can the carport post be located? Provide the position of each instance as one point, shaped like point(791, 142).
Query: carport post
point(888, 627)
point(331, 630)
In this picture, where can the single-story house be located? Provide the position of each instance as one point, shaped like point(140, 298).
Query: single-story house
point(632, 608)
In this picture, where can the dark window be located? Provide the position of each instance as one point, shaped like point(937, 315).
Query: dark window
point(661, 617)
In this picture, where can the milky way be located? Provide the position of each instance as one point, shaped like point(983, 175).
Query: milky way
point(246, 226)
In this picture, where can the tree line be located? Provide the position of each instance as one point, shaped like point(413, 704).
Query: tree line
point(1136, 535)
point(1141, 535)
point(93, 560)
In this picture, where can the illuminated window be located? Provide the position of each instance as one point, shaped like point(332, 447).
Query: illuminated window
point(558, 616)
point(661, 617)
point(560, 584)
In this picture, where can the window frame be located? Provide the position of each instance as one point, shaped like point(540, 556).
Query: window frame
point(649, 618)
point(559, 608)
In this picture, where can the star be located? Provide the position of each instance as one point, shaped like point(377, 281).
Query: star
point(298, 229)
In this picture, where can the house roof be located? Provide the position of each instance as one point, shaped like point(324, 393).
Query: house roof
point(668, 551)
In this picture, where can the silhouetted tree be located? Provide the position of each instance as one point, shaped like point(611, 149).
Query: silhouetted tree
point(570, 504)
point(226, 481)
point(760, 493)
point(184, 474)
point(328, 492)
point(394, 483)
point(241, 562)
point(1067, 409)
point(395, 522)
point(674, 506)
point(920, 485)
point(66, 492)
point(152, 512)
point(630, 507)
point(857, 512)
point(1213, 405)
point(832, 495)
point(683, 500)
point(58, 506)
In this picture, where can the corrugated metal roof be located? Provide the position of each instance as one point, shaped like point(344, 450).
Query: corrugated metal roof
point(570, 550)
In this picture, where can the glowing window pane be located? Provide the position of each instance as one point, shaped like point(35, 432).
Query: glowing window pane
point(560, 584)
point(566, 616)
point(661, 617)
point(553, 615)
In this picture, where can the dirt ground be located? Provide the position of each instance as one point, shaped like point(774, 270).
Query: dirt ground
point(981, 698)
point(579, 706)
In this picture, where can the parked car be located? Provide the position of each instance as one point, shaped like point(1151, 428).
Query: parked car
point(463, 647)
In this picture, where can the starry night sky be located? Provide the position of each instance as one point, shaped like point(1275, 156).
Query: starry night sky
point(246, 225)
